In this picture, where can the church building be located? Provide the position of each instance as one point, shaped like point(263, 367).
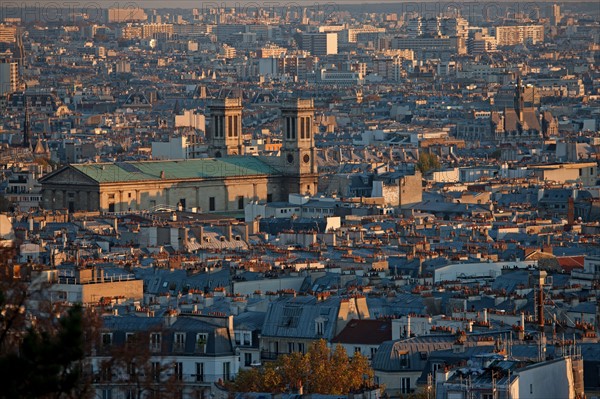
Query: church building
point(224, 182)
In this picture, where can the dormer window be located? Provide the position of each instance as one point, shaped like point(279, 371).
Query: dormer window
point(179, 341)
point(155, 342)
point(201, 340)
point(320, 326)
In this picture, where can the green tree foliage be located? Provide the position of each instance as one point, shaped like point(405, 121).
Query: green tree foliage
point(41, 356)
point(46, 364)
point(427, 162)
point(321, 370)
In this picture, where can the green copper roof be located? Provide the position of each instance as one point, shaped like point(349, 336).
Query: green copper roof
point(205, 168)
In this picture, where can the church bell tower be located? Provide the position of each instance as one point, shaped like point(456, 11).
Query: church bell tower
point(298, 150)
point(225, 129)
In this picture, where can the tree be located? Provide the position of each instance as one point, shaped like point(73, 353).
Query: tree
point(320, 370)
point(42, 345)
point(46, 364)
point(427, 162)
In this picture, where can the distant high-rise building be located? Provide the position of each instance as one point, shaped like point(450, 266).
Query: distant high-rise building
point(519, 34)
point(152, 30)
point(320, 44)
point(120, 15)
point(481, 42)
point(9, 77)
point(414, 27)
point(555, 16)
point(432, 27)
point(8, 33)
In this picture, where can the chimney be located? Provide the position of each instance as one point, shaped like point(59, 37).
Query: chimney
point(255, 224)
point(571, 212)
point(116, 225)
point(485, 315)
point(171, 317)
point(541, 275)
point(199, 232)
point(183, 235)
point(246, 232)
point(407, 326)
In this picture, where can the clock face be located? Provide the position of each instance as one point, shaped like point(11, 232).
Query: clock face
point(290, 158)
point(306, 158)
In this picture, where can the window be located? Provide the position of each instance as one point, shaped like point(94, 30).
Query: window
point(319, 326)
point(269, 197)
point(247, 338)
point(106, 339)
point(201, 340)
point(211, 204)
point(129, 338)
point(290, 347)
point(373, 351)
point(531, 389)
point(107, 393)
point(293, 126)
point(178, 371)
point(404, 360)
point(302, 128)
point(230, 126)
point(240, 202)
point(405, 385)
point(155, 341)
point(238, 339)
point(357, 349)
point(235, 126)
point(226, 371)
point(156, 371)
point(301, 347)
point(247, 359)
point(199, 372)
point(182, 203)
point(179, 341)
point(307, 122)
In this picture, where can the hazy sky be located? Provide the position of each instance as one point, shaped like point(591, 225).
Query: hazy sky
point(230, 3)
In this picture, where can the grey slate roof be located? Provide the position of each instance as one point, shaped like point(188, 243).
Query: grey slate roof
point(295, 317)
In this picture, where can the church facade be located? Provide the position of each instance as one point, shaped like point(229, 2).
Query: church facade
point(224, 182)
